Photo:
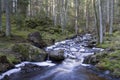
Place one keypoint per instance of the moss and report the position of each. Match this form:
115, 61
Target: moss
28, 52
12, 59
24, 49
111, 62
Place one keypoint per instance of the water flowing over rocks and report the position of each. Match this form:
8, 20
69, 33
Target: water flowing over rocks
73, 51
25, 67
76, 48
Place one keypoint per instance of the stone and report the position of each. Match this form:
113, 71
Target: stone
36, 39
29, 52
92, 43
30, 68
56, 55
6, 77
107, 72
94, 59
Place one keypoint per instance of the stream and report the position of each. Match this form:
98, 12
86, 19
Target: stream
72, 68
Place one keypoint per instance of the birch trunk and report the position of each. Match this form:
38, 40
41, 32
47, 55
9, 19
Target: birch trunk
101, 23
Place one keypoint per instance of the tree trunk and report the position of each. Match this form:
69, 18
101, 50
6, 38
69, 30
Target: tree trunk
8, 27
62, 15
108, 16
54, 12
111, 19
0, 16
101, 23
76, 17
87, 14
96, 19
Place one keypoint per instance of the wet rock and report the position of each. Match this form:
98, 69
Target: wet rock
6, 78
92, 43
87, 37
94, 59
91, 59
89, 40
36, 39
30, 68
56, 55
29, 52
107, 72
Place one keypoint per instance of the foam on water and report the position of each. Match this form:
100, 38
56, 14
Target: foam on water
18, 67
10, 72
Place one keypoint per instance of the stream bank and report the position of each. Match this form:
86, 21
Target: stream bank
72, 67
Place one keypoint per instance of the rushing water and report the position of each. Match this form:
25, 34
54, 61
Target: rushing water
72, 68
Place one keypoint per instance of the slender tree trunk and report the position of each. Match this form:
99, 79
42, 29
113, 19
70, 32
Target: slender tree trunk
65, 13
96, 19
46, 7
54, 12
87, 14
108, 16
76, 17
101, 23
0, 16
61, 15
8, 26
30, 8
111, 19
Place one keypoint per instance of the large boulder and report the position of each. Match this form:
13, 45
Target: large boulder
56, 55
29, 52
94, 59
36, 39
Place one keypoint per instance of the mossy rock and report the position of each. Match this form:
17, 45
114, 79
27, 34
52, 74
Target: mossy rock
94, 59
4, 63
29, 52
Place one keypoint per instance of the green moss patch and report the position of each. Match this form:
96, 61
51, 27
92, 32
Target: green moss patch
112, 60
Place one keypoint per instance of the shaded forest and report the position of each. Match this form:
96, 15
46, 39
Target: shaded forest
41, 23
